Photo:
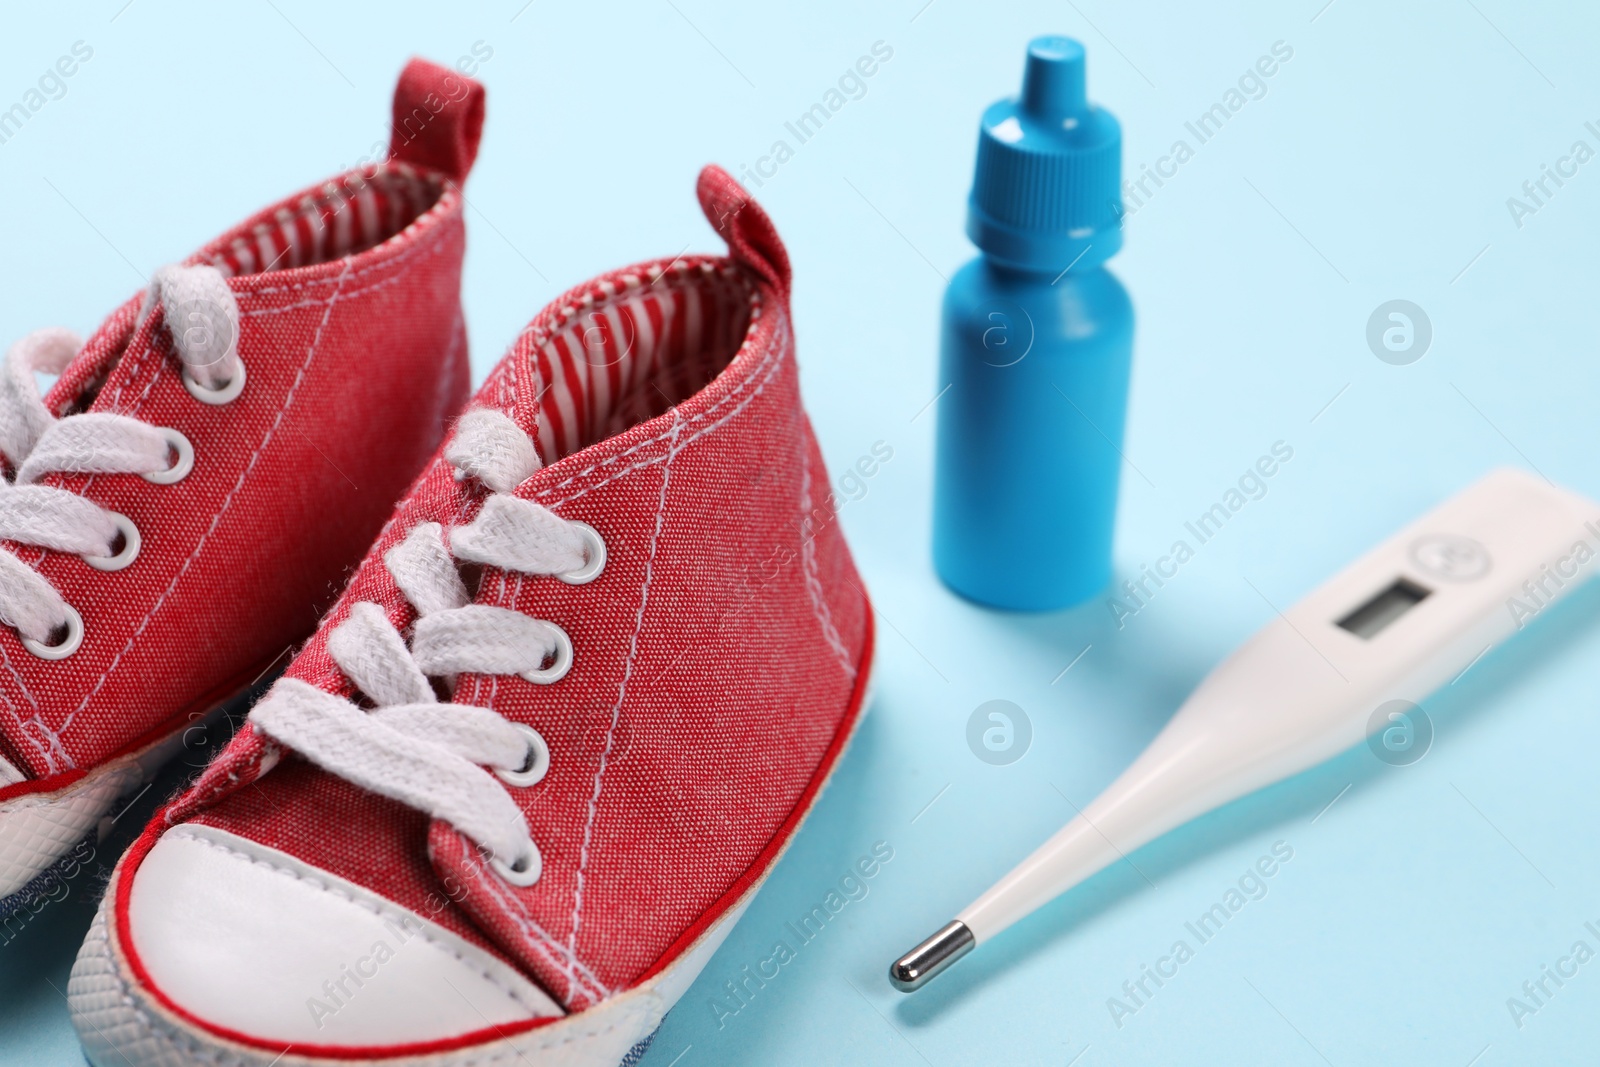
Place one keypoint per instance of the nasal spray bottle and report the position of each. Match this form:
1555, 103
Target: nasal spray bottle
1036, 347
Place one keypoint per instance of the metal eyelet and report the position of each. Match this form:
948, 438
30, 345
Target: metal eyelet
561, 664
67, 645
227, 393
533, 768
594, 547
130, 546
182, 461
523, 871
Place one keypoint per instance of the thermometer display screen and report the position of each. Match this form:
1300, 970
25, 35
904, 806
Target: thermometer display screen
1376, 615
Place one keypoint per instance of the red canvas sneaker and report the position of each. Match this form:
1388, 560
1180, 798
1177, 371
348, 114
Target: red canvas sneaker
554, 735
205, 470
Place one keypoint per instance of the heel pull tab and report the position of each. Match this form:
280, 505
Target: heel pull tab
438, 119
751, 237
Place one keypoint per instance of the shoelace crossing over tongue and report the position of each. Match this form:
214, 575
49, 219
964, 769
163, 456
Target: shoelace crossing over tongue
204, 321
410, 746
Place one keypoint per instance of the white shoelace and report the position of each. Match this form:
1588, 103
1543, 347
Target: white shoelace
204, 319
410, 746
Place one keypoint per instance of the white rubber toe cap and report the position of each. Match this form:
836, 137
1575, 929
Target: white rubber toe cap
252, 940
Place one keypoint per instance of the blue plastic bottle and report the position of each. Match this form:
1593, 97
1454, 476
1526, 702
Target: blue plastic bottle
1036, 348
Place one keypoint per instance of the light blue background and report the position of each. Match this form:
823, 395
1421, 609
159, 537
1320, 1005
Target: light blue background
1377, 166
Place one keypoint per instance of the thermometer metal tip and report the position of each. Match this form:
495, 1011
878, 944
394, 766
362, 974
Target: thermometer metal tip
912, 971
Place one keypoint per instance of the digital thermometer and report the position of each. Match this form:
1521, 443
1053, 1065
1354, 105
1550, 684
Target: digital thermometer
1409, 616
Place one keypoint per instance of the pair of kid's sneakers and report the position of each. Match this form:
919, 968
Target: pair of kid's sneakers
530, 766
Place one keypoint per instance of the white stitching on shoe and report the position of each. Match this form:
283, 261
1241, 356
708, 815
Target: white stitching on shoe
38, 443
772, 366
617, 296
773, 358
16, 714
772, 361
622, 689
427, 246
438, 756
661, 458
538, 938
768, 365
430, 244
396, 279
288, 402
808, 567
434, 219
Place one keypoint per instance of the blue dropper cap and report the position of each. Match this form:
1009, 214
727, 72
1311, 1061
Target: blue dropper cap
1047, 191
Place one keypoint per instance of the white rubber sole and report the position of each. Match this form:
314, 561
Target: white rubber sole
38, 829
122, 1025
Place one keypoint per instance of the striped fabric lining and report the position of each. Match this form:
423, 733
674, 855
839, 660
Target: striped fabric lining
348, 215
631, 349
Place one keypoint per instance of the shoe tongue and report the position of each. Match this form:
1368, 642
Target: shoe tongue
81, 382
496, 909
521, 392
